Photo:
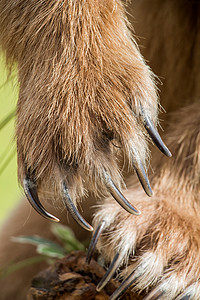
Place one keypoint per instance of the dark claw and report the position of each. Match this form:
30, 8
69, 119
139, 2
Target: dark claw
152, 131
123, 287
32, 196
117, 195
73, 210
139, 169
184, 296
110, 272
94, 241
154, 295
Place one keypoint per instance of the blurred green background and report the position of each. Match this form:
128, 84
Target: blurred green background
10, 192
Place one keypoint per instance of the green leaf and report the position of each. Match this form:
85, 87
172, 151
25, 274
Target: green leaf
32, 239
7, 119
66, 235
44, 246
7, 161
50, 251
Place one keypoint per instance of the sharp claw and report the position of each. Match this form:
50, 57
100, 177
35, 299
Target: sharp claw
110, 272
152, 131
184, 297
139, 169
123, 287
117, 195
94, 241
154, 295
73, 210
32, 196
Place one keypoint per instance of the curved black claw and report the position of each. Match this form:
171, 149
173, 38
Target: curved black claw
154, 295
123, 286
117, 195
110, 272
142, 176
32, 196
152, 131
184, 296
94, 241
73, 210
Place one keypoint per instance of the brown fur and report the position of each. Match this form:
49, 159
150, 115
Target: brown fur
82, 80
78, 88
165, 239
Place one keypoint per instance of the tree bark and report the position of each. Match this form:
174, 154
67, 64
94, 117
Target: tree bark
72, 278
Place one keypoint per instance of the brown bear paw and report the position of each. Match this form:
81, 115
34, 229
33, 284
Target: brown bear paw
90, 103
159, 251
156, 252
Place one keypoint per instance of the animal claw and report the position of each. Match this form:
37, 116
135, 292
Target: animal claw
32, 196
152, 131
110, 272
184, 297
123, 287
73, 210
154, 295
117, 195
94, 241
143, 178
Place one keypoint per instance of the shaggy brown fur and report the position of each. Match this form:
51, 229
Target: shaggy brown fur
79, 90
164, 242
82, 85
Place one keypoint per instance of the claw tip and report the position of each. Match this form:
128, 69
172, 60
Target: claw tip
139, 213
150, 193
55, 219
169, 154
